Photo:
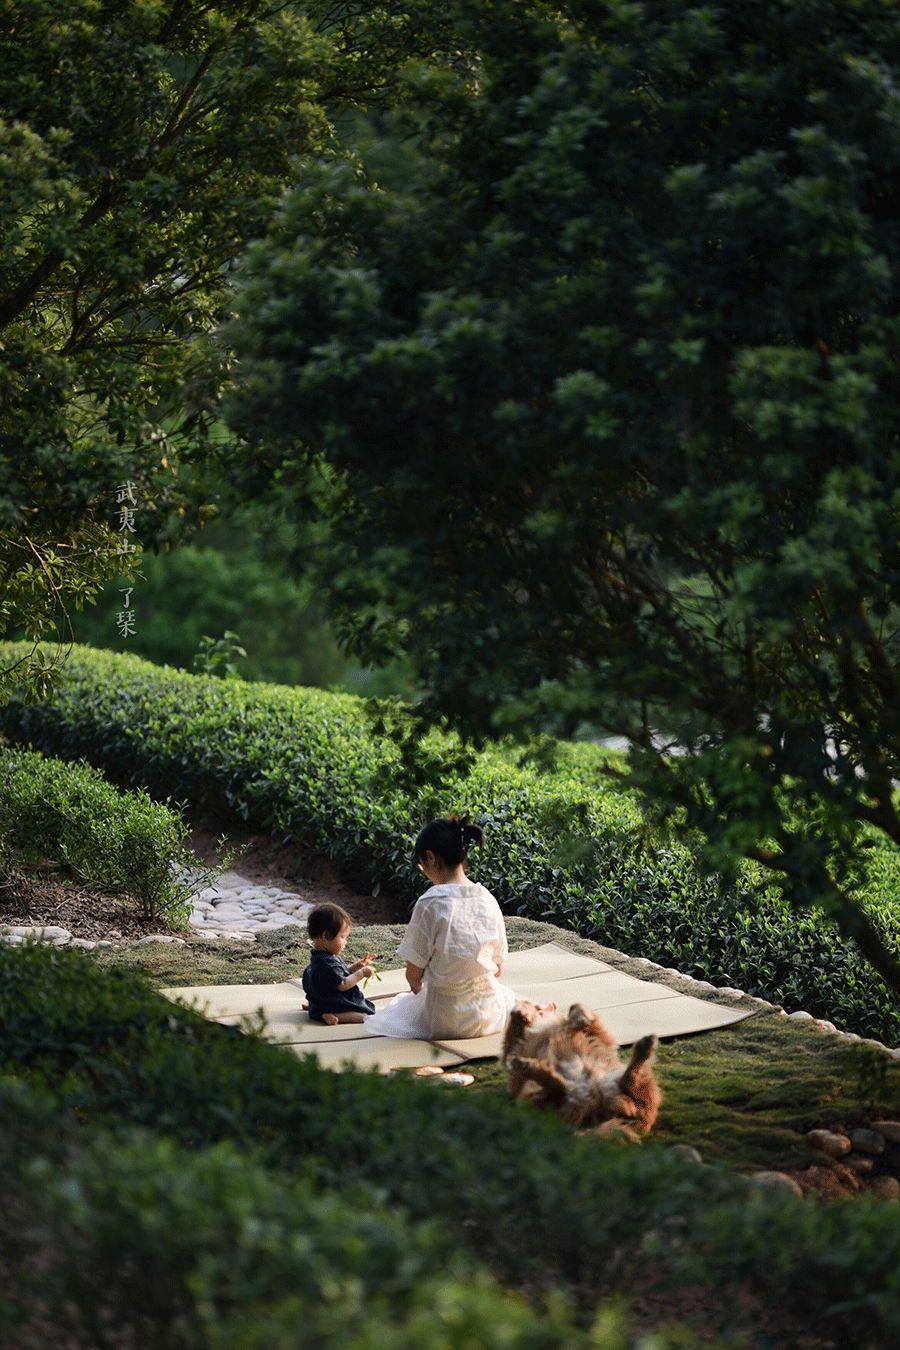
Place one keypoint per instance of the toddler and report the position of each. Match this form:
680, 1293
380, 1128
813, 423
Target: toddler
331, 986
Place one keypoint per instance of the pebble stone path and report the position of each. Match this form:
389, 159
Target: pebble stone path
234, 908
237, 908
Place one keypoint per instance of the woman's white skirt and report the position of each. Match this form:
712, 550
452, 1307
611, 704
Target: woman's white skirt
477, 1008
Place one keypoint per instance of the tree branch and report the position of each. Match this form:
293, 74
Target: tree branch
13, 304
883, 817
185, 98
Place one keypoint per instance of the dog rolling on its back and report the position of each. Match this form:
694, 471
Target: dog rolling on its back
568, 1062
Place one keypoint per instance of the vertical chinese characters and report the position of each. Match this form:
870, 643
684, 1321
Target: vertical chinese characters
125, 618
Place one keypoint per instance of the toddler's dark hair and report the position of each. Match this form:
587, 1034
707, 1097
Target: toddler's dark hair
449, 838
327, 921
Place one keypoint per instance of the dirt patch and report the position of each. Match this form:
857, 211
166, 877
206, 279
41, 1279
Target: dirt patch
753, 1318
272, 862
45, 897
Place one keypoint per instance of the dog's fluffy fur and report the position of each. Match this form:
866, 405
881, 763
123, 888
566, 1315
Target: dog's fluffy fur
569, 1063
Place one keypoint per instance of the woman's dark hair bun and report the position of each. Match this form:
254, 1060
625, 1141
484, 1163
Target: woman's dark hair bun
449, 837
472, 834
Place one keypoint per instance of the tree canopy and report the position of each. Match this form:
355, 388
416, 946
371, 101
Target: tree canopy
141, 147
604, 405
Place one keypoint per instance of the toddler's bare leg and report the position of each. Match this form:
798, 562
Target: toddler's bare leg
334, 1019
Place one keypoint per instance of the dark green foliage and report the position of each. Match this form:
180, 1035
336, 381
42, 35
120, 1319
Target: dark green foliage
248, 572
69, 813
544, 1209
304, 764
141, 147
134, 1236
607, 384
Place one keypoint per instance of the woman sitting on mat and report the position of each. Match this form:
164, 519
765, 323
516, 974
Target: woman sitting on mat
455, 947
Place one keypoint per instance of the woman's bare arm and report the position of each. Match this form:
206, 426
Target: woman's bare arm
414, 976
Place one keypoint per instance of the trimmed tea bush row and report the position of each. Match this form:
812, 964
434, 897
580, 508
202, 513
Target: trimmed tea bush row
70, 814
543, 1208
304, 764
136, 1240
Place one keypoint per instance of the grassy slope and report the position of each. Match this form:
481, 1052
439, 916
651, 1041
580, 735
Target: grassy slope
742, 1095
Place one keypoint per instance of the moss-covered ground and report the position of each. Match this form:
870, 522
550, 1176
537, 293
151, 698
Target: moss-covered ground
743, 1095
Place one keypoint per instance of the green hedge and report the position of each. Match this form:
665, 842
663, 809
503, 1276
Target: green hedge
133, 1239
304, 764
543, 1208
70, 814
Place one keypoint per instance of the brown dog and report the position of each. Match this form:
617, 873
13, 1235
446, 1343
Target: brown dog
569, 1062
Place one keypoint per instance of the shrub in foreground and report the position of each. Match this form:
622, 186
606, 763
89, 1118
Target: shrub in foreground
133, 1239
305, 765
543, 1208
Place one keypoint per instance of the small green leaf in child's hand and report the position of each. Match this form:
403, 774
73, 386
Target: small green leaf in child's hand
368, 978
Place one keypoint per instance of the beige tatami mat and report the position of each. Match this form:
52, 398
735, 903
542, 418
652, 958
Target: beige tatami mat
629, 1007
379, 1052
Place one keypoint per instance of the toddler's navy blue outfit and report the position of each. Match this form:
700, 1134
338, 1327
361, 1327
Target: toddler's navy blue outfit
320, 983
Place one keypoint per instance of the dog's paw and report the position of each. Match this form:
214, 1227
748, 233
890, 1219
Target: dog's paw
524, 1014
579, 1016
619, 1130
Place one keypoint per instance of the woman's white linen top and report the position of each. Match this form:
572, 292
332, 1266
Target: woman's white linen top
456, 933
